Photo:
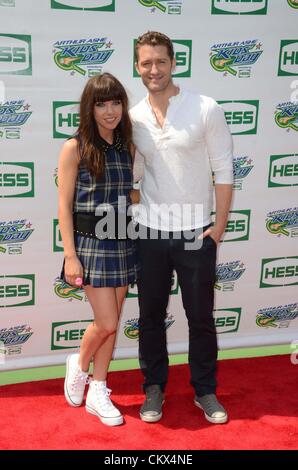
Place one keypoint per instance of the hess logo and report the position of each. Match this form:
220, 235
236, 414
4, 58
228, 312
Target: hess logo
277, 272
66, 335
241, 116
288, 57
16, 179
227, 320
237, 228
15, 54
57, 239
183, 56
240, 7
84, 4
17, 290
283, 170
66, 118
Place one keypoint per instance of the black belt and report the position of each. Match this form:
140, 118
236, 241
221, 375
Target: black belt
110, 227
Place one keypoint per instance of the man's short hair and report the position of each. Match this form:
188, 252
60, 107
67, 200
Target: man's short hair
154, 38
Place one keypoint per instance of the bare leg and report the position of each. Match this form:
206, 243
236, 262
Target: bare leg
104, 304
103, 355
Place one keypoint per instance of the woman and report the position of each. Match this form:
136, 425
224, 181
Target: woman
95, 169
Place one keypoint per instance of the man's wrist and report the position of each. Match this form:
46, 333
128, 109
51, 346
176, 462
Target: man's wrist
219, 228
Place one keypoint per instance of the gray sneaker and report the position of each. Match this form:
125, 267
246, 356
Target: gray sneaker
151, 409
213, 410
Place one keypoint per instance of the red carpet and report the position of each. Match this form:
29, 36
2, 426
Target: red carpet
260, 395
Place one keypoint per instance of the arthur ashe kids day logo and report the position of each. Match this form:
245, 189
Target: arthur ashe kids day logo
65, 291
13, 338
239, 7
293, 3
95, 5
131, 327
133, 291
235, 58
227, 274
84, 56
242, 166
283, 170
15, 54
13, 234
55, 176
13, 115
172, 7
286, 115
277, 317
283, 222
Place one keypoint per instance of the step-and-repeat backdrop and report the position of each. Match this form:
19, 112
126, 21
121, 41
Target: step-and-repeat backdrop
242, 53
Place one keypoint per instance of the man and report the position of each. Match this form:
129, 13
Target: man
182, 138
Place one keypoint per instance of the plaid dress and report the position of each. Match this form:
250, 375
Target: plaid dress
106, 263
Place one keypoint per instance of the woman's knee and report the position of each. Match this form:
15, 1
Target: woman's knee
107, 328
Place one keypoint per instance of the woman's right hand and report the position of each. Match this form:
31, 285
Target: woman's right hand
134, 196
72, 270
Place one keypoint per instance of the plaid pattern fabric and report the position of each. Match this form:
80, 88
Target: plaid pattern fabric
117, 180
106, 263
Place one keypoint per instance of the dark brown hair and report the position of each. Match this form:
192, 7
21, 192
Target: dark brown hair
153, 38
100, 88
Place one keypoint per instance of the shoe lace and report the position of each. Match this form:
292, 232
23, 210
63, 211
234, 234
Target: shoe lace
103, 397
211, 405
80, 380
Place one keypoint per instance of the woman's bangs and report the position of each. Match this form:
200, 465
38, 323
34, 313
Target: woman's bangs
109, 92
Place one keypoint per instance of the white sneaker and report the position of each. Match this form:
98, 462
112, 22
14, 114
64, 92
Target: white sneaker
98, 403
75, 381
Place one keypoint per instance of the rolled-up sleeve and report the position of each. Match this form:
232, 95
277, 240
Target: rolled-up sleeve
138, 167
219, 144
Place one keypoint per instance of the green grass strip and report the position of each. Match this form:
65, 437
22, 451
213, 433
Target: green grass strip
53, 372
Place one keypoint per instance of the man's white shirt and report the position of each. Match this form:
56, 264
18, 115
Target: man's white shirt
176, 162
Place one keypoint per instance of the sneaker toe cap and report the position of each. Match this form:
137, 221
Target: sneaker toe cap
150, 413
219, 414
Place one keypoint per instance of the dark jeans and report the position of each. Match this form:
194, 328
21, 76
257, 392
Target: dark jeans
196, 276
